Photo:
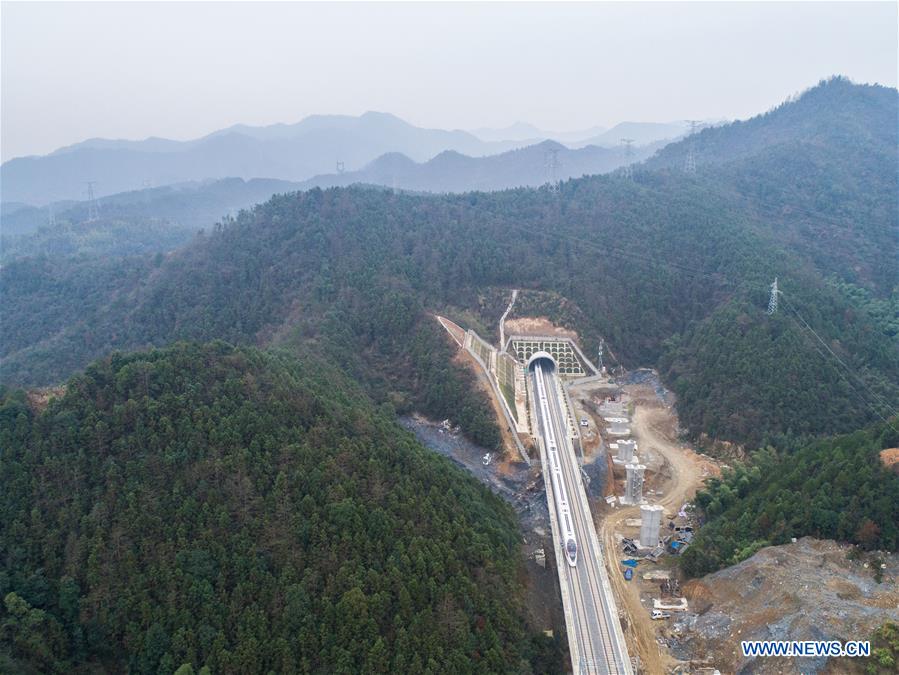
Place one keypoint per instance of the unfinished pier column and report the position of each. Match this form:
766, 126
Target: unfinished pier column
633, 487
650, 522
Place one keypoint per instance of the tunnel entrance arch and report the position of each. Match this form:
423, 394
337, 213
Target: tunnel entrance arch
545, 359
563, 352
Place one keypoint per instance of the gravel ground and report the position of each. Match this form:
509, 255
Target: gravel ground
516, 482
651, 378
809, 590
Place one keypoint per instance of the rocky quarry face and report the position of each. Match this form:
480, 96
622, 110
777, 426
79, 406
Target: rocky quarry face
809, 590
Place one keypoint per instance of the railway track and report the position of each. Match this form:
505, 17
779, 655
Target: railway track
597, 643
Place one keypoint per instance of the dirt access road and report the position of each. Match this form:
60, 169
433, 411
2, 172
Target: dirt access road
677, 473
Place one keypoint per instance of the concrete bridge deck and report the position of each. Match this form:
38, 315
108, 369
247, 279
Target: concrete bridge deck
596, 641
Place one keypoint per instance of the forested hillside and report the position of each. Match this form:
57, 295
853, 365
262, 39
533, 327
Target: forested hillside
835, 109
820, 171
671, 269
831, 489
97, 238
246, 512
192, 206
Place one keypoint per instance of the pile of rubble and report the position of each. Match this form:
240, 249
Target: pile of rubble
807, 590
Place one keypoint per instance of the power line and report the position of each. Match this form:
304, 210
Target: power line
849, 382
720, 278
92, 209
768, 207
689, 271
551, 163
690, 160
773, 209
892, 412
686, 270
823, 343
775, 291
772, 301
628, 171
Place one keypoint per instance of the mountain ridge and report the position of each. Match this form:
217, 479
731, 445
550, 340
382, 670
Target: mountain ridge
848, 101
295, 152
204, 202
305, 151
453, 172
671, 269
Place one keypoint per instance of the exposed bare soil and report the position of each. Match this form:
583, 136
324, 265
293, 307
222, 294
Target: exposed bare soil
38, 399
890, 458
453, 329
674, 473
809, 590
536, 325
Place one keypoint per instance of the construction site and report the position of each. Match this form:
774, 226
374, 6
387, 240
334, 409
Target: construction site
638, 479
645, 516
622, 433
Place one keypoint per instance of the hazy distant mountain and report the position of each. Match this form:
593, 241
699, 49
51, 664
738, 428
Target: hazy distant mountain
522, 131
284, 151
641, 132
453, 172
9, 208
197, 204
152, 144
189, 205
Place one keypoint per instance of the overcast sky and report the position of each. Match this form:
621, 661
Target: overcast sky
130, 70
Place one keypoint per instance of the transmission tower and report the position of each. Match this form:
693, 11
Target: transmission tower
772, 301
51, 217
340, 166
628, 171
690, 160
599, 354
551, 162
93, 212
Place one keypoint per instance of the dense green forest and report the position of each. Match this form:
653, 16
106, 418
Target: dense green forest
261, 511
245, 511
820, 173
99, 238
671, 269
757, 371
834, 488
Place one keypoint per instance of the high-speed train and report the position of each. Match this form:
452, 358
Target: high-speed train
569, 542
